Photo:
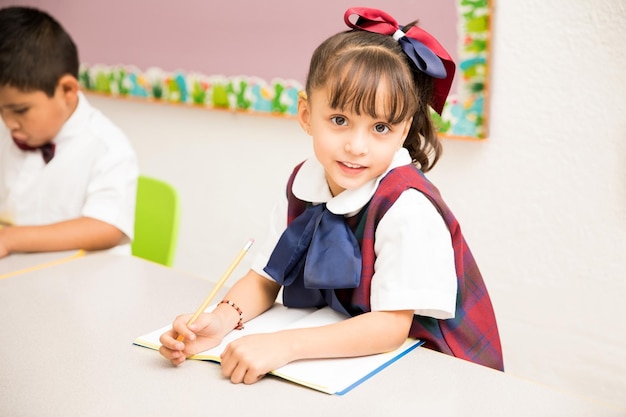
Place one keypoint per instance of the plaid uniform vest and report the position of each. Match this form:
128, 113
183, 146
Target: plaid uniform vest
473, 333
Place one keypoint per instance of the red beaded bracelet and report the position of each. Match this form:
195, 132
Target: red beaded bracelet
239, 325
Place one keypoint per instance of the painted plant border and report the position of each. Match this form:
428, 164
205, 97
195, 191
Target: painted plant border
464, 115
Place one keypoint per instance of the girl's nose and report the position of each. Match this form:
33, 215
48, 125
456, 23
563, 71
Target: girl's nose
357, 143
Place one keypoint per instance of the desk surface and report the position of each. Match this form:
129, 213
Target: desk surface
18, 262
66, 350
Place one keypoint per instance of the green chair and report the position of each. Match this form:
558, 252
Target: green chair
157, 216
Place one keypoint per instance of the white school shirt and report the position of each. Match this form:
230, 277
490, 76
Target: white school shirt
414, 268
93, 174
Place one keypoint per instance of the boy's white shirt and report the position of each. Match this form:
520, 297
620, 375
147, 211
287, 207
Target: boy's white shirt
414, 269
93, 174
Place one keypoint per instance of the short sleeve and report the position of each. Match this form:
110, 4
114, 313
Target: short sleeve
415, 268
112, 190
277, 225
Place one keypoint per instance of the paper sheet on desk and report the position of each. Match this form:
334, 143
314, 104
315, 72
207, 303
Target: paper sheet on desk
332, 376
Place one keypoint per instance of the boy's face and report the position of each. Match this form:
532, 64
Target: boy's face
33, 118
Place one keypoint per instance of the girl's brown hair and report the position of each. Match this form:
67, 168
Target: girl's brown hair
352, 64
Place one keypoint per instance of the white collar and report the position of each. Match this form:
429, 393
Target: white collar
310, 185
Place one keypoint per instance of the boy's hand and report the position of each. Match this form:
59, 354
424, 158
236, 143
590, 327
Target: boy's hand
4, 251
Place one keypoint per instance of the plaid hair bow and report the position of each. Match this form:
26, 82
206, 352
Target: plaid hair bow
420, 46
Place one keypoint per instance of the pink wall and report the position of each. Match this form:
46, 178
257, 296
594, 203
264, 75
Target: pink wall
270, 38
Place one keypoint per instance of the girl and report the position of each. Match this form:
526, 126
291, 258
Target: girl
367, 233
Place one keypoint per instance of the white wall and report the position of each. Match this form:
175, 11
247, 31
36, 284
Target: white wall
542, 202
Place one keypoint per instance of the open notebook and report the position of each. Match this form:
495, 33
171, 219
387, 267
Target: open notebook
332, 376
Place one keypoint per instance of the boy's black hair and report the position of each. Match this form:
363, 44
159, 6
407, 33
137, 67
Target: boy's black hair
35, 50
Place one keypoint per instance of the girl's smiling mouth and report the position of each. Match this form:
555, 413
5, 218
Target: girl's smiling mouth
351, 165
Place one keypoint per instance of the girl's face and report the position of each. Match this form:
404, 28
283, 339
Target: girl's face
353, 149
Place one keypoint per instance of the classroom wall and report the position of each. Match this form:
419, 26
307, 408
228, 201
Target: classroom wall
266, 39
542, 202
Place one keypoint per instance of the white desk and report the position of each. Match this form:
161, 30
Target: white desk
18, 262
66, 350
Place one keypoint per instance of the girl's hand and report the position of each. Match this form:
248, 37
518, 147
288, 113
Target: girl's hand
249, 358
204, 333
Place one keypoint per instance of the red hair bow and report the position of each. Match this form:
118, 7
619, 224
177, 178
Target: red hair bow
420, 46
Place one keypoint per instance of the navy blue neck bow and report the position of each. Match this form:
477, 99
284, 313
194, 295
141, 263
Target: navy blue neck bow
318, 248
47, 150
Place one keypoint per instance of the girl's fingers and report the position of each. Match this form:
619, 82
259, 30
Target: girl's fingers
172, 355
168, 339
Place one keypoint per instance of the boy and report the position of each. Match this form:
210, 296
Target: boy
68, 176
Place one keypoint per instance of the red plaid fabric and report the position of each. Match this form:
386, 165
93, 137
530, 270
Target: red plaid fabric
473, 333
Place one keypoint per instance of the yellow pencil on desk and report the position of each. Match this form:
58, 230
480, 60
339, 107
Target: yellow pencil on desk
218, 286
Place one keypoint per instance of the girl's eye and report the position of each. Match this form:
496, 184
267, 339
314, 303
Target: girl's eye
20, 110
381, 128
339, 120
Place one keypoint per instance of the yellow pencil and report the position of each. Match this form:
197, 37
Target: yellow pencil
218, 286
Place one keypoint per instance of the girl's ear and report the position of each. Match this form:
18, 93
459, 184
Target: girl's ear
304, 113
407, 127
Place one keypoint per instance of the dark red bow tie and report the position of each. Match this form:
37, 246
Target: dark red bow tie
47, 150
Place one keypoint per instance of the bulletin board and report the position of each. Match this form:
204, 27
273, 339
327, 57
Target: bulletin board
252, 57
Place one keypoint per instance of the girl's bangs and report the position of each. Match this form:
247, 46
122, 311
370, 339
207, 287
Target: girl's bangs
363, 83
